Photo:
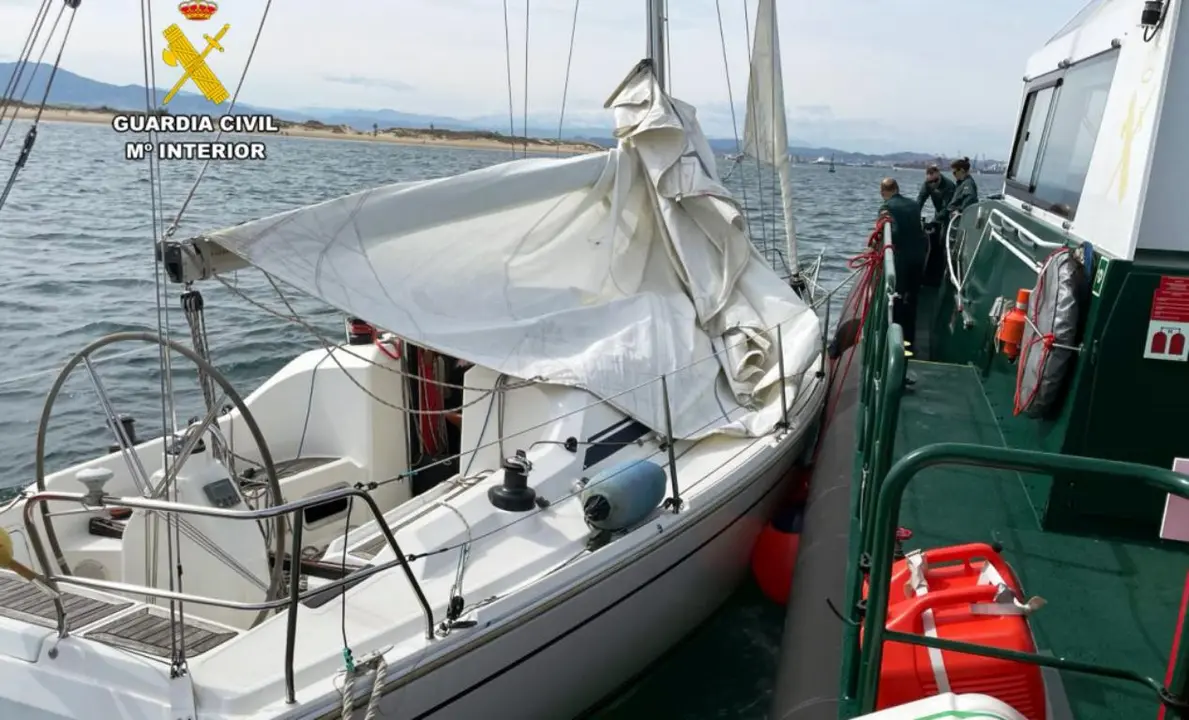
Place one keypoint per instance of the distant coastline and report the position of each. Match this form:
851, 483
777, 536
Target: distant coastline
313, 129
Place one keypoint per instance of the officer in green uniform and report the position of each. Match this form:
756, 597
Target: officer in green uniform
908, 242
965, 191
940, 190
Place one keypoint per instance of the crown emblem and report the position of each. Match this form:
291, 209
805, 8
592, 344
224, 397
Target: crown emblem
198, 10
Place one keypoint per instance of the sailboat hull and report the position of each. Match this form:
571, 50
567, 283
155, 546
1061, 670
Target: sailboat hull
575, 651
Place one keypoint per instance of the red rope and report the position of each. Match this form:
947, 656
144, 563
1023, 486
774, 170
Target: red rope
431, 403
393, 352
858, 304
1046, 342
870, 264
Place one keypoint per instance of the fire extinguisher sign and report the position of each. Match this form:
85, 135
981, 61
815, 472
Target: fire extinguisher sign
1168, 323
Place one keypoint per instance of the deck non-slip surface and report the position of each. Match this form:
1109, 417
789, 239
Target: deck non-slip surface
21, 600
1109, 602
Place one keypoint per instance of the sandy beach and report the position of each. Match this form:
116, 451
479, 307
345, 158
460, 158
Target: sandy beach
473, 140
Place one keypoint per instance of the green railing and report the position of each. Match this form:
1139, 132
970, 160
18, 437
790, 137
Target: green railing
882, 385
875, 512
887, 514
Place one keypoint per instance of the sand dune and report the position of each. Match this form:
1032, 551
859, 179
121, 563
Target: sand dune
472, 139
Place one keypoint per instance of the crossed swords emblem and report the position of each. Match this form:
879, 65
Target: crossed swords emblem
180, 51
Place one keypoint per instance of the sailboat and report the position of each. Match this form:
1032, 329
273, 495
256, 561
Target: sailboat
639, 385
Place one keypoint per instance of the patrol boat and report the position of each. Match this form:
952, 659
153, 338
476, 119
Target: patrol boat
641, 383
1006, 537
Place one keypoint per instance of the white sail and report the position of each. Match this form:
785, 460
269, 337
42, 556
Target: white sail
765, 131
602, 272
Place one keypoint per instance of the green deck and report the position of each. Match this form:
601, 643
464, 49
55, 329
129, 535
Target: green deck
1113, 602
1083, 532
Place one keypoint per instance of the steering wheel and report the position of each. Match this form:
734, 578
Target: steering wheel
276, 585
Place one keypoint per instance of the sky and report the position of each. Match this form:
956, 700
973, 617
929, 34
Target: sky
862, 75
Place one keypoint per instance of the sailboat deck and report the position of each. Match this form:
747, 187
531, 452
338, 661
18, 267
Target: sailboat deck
1111, 602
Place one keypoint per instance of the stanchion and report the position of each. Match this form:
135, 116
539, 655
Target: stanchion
669, 440
784, 401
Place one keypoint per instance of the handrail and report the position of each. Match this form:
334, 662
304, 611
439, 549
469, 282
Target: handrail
1019, 228
887, 513
886, 414
55, 580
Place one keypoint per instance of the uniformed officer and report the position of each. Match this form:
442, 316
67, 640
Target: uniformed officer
909, 245
940, 190
965, 191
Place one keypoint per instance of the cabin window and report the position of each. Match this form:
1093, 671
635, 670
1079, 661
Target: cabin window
1057, 132
1073, 131
1036, 114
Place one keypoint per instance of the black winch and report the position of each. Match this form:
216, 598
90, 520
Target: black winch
514, 495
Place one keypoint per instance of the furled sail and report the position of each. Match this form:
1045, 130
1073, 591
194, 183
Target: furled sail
601, 271
765, 131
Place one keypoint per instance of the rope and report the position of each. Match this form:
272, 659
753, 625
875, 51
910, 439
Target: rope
508, 64
9, 98
869, 266
31, 136
333, 349
722, 37
378, 667
527, 5
565, 90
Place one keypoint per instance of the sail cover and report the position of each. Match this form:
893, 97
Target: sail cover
602, 271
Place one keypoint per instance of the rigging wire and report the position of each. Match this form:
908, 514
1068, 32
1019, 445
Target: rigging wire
168, 414
722, 36
751, 110
328, 344
31, 136
565, 90
177, 221
772, 173
527, 5
668, 50
508, 65
661, 448
14, 80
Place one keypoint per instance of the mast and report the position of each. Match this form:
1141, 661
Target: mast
656, 39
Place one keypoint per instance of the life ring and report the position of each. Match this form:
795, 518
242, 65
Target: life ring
1048, 346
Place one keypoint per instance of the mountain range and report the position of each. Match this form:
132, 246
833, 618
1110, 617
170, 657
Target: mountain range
71, 89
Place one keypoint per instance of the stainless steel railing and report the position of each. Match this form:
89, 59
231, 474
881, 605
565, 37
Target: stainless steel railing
55, 580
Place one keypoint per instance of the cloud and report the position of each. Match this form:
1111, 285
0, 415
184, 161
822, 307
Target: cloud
367, 82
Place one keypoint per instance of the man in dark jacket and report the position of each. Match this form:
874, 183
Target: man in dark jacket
939, 189
909, 245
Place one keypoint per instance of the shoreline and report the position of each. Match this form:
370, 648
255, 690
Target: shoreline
314, 130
